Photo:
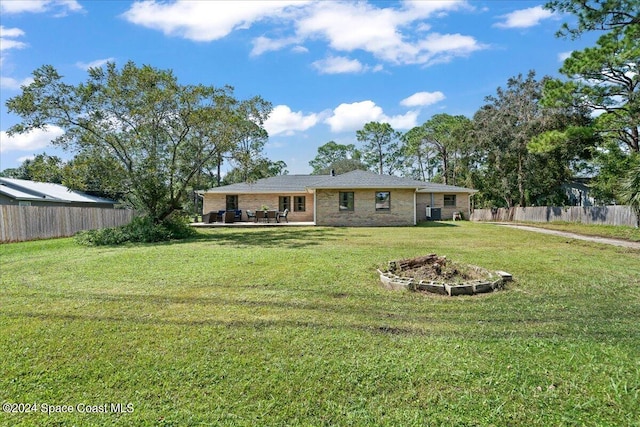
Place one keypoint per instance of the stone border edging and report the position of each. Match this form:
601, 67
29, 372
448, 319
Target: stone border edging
395, 282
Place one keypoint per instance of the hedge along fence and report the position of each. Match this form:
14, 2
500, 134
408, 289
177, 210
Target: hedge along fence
20, 223
606, 215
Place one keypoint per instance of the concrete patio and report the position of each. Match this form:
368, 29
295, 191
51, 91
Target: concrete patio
251, 224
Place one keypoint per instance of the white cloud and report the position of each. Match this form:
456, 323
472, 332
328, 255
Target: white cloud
93, 64
362, 26
265, 44
10, 32
396, 34
284, 121
422, 99
299, 49
23, 159
205, 20
338, 65
10, 83
6, 38
562, 56
352, 117
34, 140
40, 6
524, 18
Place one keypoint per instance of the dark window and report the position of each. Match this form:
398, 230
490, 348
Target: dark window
284, 202
383, 200
299, 203
232, 202
450, 200
346, 201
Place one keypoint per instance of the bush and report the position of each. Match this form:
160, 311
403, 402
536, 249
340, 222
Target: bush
141, 230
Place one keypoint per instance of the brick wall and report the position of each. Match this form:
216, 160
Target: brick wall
462, 205
216, 202
364, 213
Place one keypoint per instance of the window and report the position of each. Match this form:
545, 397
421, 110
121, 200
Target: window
346, 201
23, 203
284, 202
450, 200
232, 202
299, 203
383, 201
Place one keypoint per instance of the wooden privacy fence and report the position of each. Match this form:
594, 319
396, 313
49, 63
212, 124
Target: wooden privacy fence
606, 215
20, 223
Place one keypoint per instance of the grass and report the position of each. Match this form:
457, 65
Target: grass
609, 231
244, 327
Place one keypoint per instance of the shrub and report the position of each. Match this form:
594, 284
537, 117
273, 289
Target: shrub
141, 230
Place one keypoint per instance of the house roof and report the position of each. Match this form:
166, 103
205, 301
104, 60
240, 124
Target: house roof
274, 184
356, 179
21, 189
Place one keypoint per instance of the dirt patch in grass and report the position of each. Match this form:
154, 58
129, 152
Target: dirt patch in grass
438, 269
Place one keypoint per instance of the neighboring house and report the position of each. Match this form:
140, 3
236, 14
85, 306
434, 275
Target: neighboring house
578, 192
356, 198
21, 192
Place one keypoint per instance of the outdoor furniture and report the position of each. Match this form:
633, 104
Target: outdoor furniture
238, 215
220, 216
208, 217
272, 215
251, 214
283, 215
261, 216
229, 217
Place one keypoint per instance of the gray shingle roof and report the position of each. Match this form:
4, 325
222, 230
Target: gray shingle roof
356, 179
274, 184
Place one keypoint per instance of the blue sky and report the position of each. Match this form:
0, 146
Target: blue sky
328, 67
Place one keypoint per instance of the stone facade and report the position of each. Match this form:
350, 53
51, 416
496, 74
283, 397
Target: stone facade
364, 212
216, 202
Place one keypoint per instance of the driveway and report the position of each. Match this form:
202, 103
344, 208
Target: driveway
615, 242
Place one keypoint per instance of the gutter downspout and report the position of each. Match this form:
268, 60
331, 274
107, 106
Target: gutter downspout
315, 206
415, 207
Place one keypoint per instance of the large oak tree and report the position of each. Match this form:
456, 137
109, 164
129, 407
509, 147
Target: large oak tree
160, 134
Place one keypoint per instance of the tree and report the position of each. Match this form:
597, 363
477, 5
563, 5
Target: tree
631, 188
160, 134
250, 138
42, 168
442, 137
94, 174
596, 14
259, 168
420, 157
337, 157
380, 151
604, 79
521, 166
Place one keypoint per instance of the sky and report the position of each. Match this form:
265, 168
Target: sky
328, 67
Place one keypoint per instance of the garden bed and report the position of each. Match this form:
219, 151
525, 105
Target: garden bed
439, 275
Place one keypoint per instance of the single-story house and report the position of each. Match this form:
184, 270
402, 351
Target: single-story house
356, 198
21, 192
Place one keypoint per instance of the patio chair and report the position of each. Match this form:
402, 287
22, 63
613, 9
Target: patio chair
251, 214
272, 215
283, 215
220, 216
238, 215
261, 216
229, 217
208, 217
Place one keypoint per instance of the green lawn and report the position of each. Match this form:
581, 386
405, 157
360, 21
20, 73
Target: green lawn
609, 231
280, 326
